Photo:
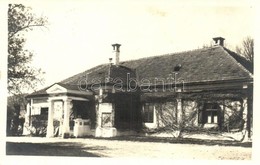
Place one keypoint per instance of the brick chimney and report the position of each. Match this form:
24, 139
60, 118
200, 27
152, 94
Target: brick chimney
219, 41
110, 60
117, 52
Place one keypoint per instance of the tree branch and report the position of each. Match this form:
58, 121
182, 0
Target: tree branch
21, 29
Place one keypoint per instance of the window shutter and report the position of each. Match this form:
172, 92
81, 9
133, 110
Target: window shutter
200, 117
151, 108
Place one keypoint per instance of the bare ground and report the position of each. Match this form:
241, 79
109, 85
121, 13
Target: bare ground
130, 148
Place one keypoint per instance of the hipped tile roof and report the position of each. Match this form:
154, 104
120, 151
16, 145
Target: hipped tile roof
202, 65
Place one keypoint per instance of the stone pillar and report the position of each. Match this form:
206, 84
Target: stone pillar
50, 128
98, 112
107, 130
66, 120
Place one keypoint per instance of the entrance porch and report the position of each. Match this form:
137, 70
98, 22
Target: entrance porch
62, 113
68, 105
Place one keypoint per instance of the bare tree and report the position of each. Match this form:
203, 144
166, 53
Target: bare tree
175, 121
247, 49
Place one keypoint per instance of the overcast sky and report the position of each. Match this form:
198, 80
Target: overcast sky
80, 33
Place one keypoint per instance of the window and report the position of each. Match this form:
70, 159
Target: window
44, 111
148, 113
36, 110
212, 116
209, 114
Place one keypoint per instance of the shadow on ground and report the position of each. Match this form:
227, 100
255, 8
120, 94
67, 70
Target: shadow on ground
50, 149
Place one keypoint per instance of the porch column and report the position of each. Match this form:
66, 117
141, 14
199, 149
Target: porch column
245, 118
26, 125
28, 112
50, 128
66, 120
179, 111
179, 117
30, 115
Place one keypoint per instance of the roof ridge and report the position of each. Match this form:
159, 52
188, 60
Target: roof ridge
170, 54
91, 69
237, 62
239, 55
96, 68
143, 58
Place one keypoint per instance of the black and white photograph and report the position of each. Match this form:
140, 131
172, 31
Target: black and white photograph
128, 79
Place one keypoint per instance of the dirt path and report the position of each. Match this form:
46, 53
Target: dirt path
120, 149
167, 150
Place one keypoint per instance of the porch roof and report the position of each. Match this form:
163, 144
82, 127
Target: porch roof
69, 90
